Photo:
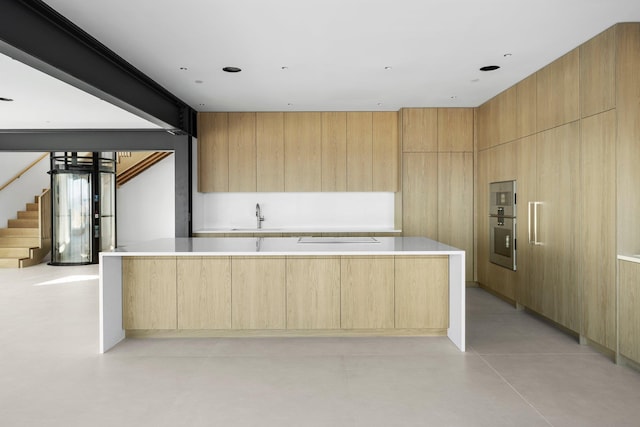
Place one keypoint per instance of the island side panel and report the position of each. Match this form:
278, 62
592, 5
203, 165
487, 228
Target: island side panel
457, 285
110, 302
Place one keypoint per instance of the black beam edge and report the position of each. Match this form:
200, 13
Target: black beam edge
34, 33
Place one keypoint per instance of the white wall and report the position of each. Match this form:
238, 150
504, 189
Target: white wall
287, 210
146, 205
22, 191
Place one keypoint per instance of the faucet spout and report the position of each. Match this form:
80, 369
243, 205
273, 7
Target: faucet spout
259, 217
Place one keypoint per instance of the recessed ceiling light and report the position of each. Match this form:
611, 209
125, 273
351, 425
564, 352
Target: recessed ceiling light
6, 99
232, 69
506, 55
199, 81
454, 97
290, 104
284, 68
202, 105
379, 104
489, 67
183, 68
388, 68
475, 80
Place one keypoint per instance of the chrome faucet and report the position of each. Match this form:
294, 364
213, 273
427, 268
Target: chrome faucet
259, 217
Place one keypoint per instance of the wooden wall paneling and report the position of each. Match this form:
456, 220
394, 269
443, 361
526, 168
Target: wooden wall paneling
528, 292
334, 151
597, 74
419, 130
558, 160
258, 296
526, 98
313, 293
558, 92
629, 296
359, 151
422, 292
204, 293
367, 292
270, 152
420, 195
497, 120
455, 203
386, 153
213, 152
598, 228
482, 218
455, 130
303, 151
242, 152
149, 293
628, 148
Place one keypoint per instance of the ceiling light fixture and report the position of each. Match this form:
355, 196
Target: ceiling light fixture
388, 68
506, 55
489, 67
454, 97
232, 69
6, 99
199, 81
284, 68
183, 68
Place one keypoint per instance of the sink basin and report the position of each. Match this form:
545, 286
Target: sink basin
333, 240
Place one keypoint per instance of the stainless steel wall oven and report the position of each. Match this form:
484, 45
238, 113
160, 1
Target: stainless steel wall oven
502, 224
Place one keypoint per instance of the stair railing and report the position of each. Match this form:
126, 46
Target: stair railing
23, 171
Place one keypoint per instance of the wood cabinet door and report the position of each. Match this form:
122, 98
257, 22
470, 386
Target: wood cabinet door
313, 293
597, 246
334, 151
422, 292
242, 152
598, 74
419, 130
367, 295
497, 120
204, 293
420, 195
213, 152
149, 293
455, 130
455, 203
302, 152
558, 160
386, 152
558, 92
270, 151
359, 151
629, 310
526, 101
258, 293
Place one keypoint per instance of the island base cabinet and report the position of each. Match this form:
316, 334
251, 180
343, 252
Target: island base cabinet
422, 292
149, 293
258, 293
313, 293
204, 293
629, 310
367, 292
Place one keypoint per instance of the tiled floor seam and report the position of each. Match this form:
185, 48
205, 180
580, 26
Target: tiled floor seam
524, 399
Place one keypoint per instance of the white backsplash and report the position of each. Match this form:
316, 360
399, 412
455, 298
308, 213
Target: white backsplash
294, 210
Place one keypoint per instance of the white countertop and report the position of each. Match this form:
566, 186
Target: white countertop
282, 246
630, 258
286, 230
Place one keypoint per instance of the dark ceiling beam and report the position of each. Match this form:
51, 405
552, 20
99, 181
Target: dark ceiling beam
34, 33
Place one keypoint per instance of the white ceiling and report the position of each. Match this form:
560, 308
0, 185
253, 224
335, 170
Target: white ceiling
336, 51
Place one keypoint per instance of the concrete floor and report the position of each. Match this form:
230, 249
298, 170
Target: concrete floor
518, 371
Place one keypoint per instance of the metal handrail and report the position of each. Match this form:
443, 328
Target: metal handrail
23, 171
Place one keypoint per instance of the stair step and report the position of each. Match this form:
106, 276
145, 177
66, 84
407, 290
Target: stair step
23, 223
9, 263
28, 215
33, 207
19, 232
19, 242
15, 252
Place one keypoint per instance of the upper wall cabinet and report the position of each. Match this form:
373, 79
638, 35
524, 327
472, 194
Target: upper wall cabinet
306, 151
558, 92
597, 74
526, 98
419, 130
455, 130
497, 120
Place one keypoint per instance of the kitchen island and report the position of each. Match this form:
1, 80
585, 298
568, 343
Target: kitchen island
309, 286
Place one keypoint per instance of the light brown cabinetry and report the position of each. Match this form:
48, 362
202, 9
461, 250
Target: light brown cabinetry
386, 152
422, 292
455, 130
334, 151
359, 151
597, 74
213, 152
629, 340
303, 152
258, 293
270, 152
558, 92
367, 292
419, 130
497, 120
204, 293
313, 293
526, 95
242, 152
420, 195
598, 228
149, 293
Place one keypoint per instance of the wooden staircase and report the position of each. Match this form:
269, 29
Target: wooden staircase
27, 239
